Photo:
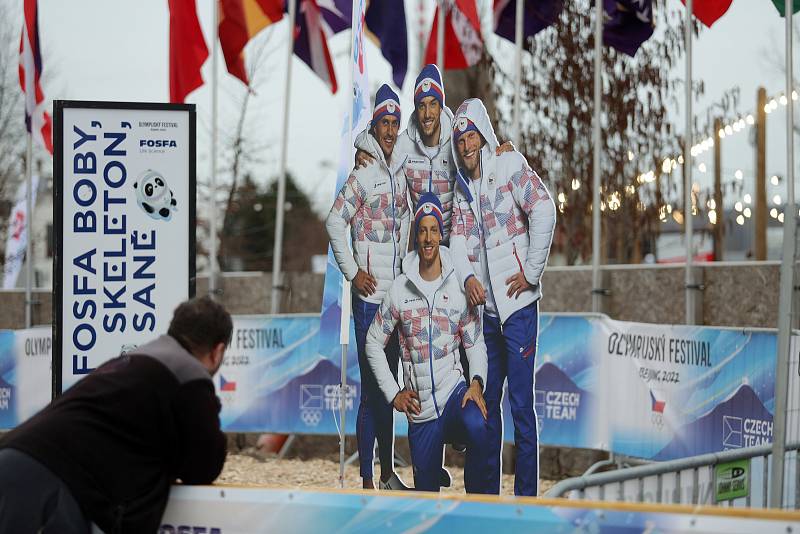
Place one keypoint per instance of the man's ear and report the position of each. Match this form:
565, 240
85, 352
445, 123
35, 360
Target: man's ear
215, 357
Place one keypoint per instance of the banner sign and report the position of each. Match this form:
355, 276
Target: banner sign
652, 391
731, 480
25, 374
233, 510
125, 227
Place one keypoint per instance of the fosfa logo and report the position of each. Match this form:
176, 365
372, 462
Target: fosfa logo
158, 143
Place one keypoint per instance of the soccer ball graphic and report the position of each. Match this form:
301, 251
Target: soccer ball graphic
154, 195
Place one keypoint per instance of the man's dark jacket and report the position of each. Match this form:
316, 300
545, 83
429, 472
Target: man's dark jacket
121, 436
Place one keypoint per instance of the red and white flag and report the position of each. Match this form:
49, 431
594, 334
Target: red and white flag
38, 121
463, 43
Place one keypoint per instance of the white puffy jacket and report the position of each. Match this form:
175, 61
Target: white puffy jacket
430, 333
424, 174
518, 219
373, 202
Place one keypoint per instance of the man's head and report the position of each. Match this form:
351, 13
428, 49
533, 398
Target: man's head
429, 227
386, 119
204, 328
428, 103
468, 141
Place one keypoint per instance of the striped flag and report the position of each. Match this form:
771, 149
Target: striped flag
240, 21
315, 22
538, 15
386, 22
38, 121
463, 43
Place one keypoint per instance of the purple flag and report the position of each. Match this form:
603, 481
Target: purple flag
538, 15
316, 21
628, 24
387, 20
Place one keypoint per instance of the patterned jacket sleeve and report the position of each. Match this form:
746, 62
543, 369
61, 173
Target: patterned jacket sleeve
472, 339
346, 205
458, 244
377, 336
532, 197
405, 231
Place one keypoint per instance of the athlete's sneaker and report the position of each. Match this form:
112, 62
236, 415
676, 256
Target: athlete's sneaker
445, 479
459, 447
394, 483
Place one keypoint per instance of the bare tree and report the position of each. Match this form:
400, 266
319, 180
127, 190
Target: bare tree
636, 134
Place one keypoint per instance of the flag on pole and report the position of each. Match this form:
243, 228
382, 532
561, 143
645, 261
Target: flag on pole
463, 43
17, 238
780, 5
538, 16
709, 11
315, 22
240, 21
628, 24
37, 120
386, 24
187, 50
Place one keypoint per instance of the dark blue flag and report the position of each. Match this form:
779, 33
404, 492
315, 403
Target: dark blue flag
386, 19
316, 21
538, 15
628, 24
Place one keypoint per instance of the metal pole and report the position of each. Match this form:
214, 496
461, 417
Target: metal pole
518, 38
212, 248
687, 157
28, 231
786, 285
277, 249
440, 36
597, 291
760, 213
719, 227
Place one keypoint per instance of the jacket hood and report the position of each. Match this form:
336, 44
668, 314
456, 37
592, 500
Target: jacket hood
474, 110
411, 265
445, 131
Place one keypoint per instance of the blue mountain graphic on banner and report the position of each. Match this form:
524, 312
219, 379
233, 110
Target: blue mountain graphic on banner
308, 393
740, 421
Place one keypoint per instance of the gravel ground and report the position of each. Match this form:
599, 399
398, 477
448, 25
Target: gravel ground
251, 469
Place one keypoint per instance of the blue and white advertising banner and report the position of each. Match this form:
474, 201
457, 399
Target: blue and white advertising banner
356, 118
125, 232
25, 373
234, 510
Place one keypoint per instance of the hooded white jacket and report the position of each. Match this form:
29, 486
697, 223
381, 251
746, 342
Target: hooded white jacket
373, 202
430, 333
518, 217
423, 173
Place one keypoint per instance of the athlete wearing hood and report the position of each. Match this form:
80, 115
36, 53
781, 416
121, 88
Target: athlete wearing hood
503, 221
428, 305
373, 202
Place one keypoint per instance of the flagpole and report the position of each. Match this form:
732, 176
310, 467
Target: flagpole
518, 37
344, 317
786, 283
277, 249
212, 248
687, 170
28, 229
440, 37
597, 291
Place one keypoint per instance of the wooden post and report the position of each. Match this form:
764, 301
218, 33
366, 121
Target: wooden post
719, 228
760, 216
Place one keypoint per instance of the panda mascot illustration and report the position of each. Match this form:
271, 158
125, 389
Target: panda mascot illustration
154, 196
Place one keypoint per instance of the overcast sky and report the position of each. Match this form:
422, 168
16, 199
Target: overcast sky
118, 50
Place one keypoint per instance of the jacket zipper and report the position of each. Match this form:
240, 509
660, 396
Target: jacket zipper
517, 257
394, 225
430, 352
369, 271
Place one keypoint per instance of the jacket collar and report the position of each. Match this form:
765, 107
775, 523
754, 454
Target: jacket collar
411, 267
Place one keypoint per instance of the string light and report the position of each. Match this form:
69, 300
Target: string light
777, 200
780, 217
712, 217
774, 180
575, 184
751, 120
784, 100
739, 174
740, 220
702, 167
747, 198
747, 213
773, 213
738, 206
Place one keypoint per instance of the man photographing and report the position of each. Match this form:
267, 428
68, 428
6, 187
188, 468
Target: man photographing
503, 221
108, 449
428, 306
